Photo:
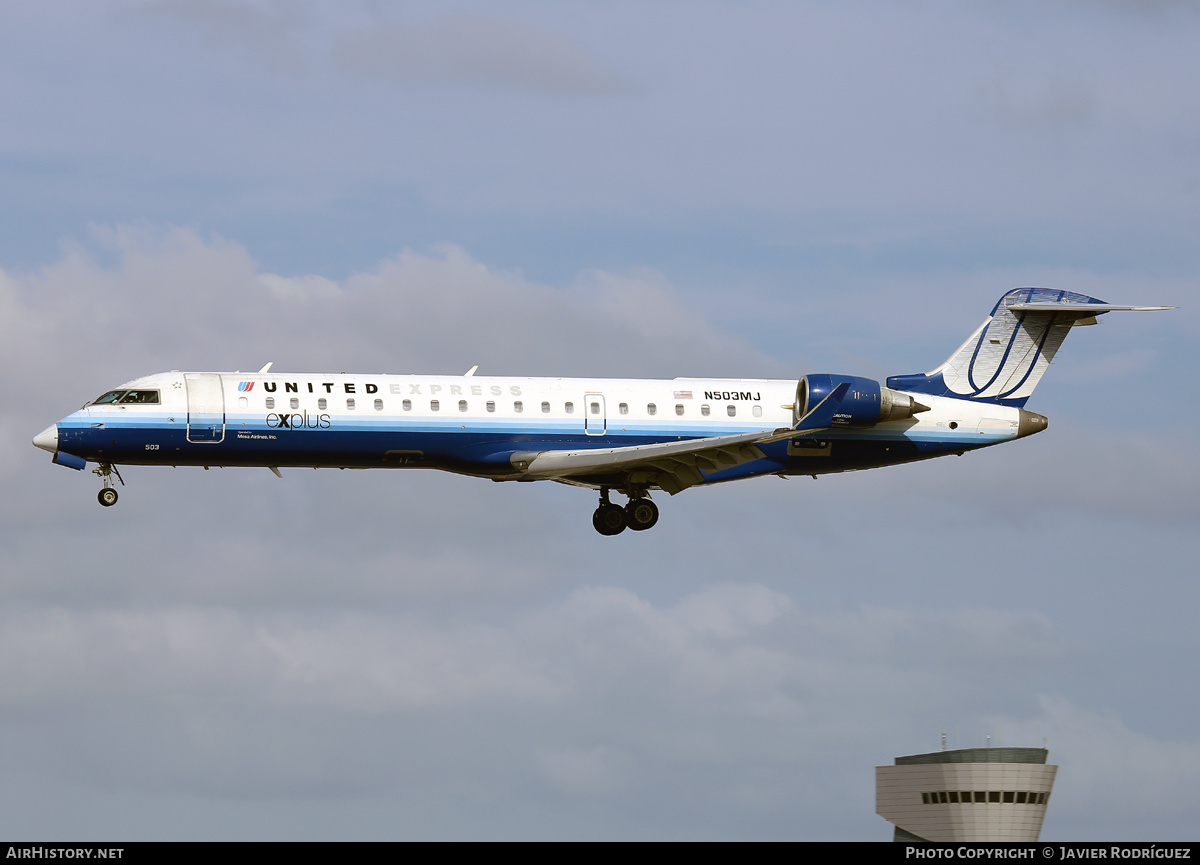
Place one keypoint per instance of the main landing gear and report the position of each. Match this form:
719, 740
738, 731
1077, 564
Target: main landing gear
108, 495
640, 514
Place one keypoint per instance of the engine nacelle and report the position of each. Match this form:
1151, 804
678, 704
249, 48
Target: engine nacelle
865, 404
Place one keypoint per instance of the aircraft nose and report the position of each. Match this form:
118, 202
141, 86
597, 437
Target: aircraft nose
47, 439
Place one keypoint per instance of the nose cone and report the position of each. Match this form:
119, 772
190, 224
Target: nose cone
47, 439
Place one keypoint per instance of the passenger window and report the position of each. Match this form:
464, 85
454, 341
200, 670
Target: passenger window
545, 408
434, 405
570, 407
378, 405
350, 403
462, 405
518, 406
243, 402
322, 404
679, 409
651, 409
594, 408
270, 402
758, 411
732, 409
407, 405
491, 406
624, 408
295, 402
705, 410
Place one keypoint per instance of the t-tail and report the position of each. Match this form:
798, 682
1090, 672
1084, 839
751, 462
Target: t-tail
1003, 361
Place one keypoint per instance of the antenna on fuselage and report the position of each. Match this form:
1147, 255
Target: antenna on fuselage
267, 367
471, 371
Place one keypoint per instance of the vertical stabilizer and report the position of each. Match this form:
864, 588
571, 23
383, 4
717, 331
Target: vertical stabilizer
1004, 359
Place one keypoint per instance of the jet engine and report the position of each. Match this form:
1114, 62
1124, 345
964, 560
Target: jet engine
865, 403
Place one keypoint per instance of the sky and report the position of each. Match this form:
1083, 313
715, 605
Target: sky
619, 189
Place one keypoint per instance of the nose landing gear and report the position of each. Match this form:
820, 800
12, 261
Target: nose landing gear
640, 514
108, 495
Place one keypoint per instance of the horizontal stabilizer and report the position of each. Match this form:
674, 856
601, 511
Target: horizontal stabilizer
1087, 308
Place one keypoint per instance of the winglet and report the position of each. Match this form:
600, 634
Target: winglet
267, 367
471, 371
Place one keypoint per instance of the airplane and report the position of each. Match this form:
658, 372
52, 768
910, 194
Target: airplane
629, 436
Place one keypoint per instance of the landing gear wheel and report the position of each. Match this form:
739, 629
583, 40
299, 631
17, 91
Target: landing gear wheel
641, 514
107, 497
609, 519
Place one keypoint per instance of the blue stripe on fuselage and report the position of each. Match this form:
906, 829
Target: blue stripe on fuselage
484, 447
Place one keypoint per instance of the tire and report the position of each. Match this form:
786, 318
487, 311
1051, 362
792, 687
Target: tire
107, 497
641, 514
609, 519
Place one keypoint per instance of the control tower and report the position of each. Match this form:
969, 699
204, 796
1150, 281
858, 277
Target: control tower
971, 794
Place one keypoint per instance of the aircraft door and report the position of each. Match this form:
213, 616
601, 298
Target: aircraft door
594, 415
206, 408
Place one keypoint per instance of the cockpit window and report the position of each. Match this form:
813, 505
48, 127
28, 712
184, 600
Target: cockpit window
110, 397
145, 397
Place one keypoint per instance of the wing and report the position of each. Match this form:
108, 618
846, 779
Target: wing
673, 466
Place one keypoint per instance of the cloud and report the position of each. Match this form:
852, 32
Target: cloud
1045, 100
391, 638
471, 51
177, 299
354, 663
266, 33
724, 702
460, 50
1145, 783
